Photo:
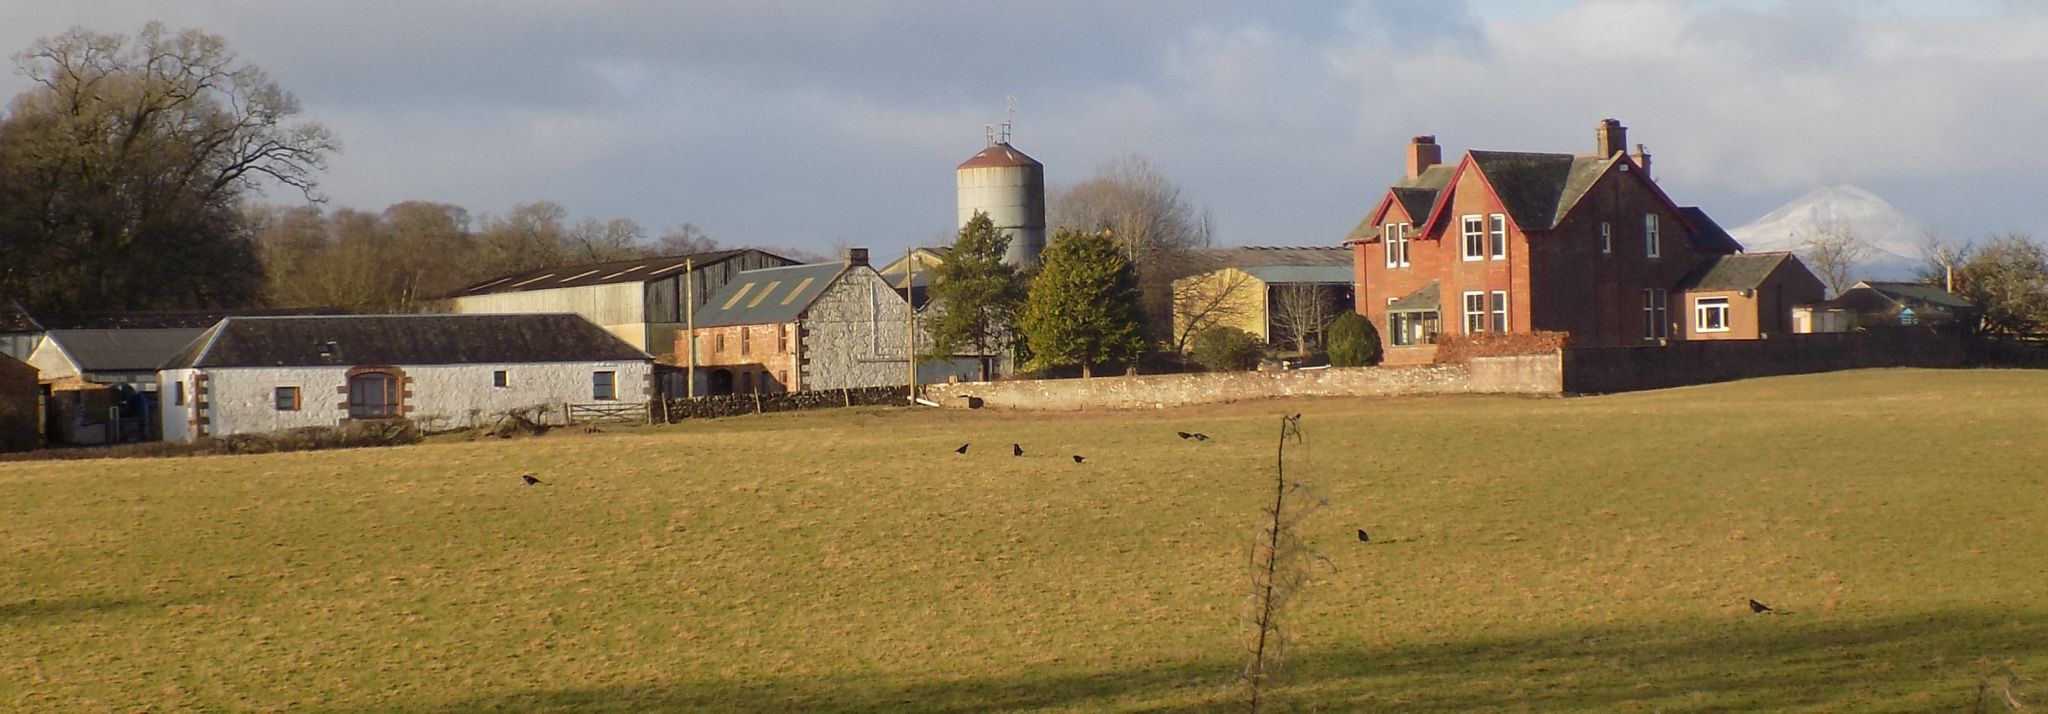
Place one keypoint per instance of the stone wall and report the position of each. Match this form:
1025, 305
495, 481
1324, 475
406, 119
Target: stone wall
1623, 369
1526, 374
680, 408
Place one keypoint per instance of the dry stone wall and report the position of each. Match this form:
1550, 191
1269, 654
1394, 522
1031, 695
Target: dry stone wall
1522, 374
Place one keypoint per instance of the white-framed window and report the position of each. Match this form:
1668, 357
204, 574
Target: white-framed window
1710, 314
1475, 312
1475, 237
1656, 315
1606, 238
1497, 236
1652, 245
1395, 236
1500, 311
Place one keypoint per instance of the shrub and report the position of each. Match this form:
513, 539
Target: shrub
1354, 342
1226, 349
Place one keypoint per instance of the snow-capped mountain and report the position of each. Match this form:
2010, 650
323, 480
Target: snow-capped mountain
1894, 237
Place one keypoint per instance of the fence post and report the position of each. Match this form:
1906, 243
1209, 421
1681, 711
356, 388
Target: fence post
567, 418
847, 395
757, 402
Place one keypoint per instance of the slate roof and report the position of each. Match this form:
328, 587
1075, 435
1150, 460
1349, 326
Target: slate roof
153, 320
120, 350
768, 296
1734, 272
1538, 189
1283, 274
15, 319
1424, 298
617, 271
1709, 236
1417, 196
1917, 293
402, 340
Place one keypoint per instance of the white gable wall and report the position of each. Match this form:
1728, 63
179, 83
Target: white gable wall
49, 359
242, 400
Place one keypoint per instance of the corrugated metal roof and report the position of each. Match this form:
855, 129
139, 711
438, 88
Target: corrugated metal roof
768, 296
402, 340
638, 270
1208, 259
999, 155
1283, 274
1733, 272
121, 350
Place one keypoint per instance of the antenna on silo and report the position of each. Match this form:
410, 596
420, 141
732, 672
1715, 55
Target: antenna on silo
1009, 115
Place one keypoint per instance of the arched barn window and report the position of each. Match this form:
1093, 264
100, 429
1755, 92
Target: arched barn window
373, 395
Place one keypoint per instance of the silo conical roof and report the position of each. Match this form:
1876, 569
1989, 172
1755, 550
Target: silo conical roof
999, 155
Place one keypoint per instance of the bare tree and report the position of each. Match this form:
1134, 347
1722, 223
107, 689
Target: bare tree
1833, 251
595, 241
1280, 561
1942, 260
1202, 301
1302, 310
1150, 220
684, 240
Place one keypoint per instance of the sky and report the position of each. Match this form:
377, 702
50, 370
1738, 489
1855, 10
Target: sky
811, 124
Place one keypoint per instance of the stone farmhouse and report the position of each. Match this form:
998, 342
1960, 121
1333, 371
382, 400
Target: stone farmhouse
641, 300
1503, 242
264, 374
809, 327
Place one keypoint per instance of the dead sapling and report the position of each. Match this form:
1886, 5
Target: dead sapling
1281, 563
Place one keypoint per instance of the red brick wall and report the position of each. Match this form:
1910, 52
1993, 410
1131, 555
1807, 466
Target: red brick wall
1596, 296
751, 354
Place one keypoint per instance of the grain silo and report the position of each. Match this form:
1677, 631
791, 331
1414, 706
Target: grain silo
1010, 187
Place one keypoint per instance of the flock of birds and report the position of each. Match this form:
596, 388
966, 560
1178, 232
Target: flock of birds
1017, 450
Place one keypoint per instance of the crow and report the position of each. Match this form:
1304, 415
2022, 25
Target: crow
529, 479
1362, 537
1078, 459
1199, 436
1185, 435
1016, 450
961, 450
1758, 608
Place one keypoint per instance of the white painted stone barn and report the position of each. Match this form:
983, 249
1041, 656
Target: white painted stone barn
264, 374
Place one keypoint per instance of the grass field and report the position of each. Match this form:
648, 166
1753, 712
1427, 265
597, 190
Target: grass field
1542, 555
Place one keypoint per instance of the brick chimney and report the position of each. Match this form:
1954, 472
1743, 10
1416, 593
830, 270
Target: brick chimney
1422, 154
856, 256
1610, 139
1642, 158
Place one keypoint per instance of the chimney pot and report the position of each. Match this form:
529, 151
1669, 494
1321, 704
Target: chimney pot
856, 256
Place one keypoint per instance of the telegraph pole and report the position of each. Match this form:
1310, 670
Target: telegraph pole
690, 325
909, 291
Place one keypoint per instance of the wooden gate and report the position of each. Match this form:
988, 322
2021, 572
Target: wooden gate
605, 413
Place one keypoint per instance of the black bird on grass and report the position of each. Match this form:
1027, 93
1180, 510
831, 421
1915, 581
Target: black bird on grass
1197, 436
1362, 537
1758, 608
1185, 435
1016, 450
961, 450
529, 479
1078, 459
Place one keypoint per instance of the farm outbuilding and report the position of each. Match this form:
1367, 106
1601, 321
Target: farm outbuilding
264, 374
20, 397
641, 300
810, 327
